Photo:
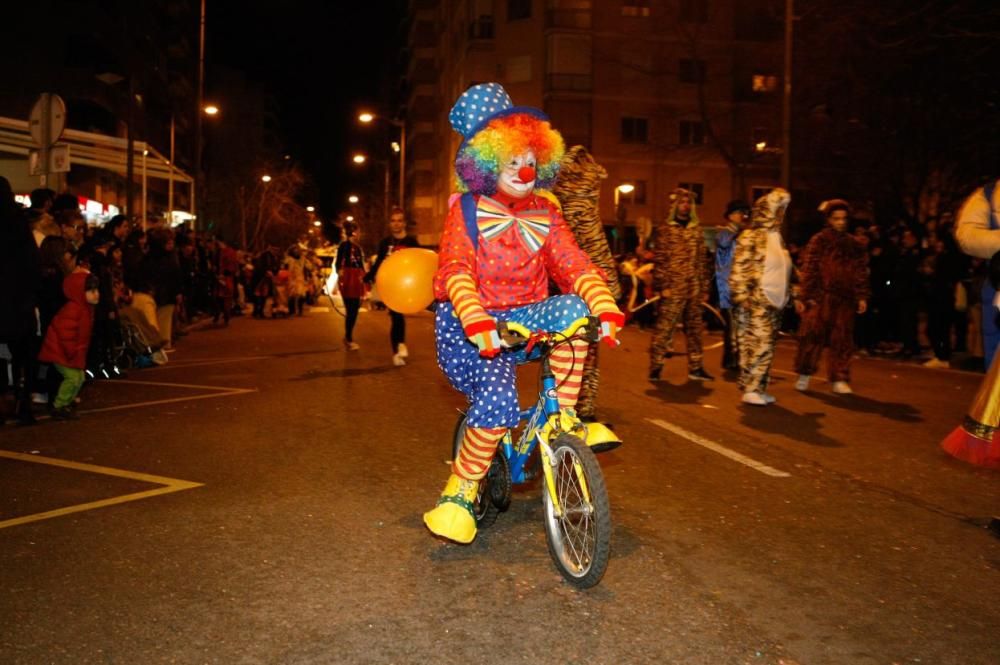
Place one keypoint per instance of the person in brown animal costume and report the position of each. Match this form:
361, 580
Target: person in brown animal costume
834, 286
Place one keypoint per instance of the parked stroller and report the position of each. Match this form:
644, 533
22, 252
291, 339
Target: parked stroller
139, 344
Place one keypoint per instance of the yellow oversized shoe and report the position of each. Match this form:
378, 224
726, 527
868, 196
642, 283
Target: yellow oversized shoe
600, 438
453, 518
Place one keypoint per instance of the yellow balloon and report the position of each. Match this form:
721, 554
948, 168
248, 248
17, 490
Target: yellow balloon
405, 280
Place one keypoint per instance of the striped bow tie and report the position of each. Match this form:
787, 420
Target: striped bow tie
494, 218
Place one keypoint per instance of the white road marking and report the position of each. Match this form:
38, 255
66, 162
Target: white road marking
222, 391
202, 363
136, 405
171, 384
169, 485
722, 450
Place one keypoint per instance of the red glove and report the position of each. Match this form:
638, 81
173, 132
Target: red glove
611, 323
484, 335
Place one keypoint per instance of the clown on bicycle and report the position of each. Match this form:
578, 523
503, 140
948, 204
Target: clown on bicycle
502, 243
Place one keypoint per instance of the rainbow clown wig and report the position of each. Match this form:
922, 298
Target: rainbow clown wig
496, 131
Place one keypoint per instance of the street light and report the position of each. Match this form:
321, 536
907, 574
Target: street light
317, 223
310, 209
360, 159
203, 189
350, 218
367, 117
265, 178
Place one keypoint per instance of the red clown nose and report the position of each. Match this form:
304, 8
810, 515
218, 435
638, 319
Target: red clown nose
526, 173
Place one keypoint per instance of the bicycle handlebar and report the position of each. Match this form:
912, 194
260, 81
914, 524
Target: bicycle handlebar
514, 334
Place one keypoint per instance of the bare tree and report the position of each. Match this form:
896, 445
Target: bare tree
896, 101
269, 212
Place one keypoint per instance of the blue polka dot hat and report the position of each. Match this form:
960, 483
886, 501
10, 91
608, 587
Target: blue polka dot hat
480, 104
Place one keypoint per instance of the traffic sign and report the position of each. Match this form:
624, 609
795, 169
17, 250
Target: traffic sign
47, 120
58, 158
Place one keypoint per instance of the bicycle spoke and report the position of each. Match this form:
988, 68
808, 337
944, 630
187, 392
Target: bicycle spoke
576, 524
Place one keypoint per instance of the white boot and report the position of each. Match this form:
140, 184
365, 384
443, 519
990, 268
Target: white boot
803, 382
754, 398
842, 388
402, 351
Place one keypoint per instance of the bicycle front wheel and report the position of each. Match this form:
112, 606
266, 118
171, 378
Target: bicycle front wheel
579, 536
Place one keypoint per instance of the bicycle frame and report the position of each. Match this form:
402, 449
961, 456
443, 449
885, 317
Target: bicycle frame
536, 416
576, 511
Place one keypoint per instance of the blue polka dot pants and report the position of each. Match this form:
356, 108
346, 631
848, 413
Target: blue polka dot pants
490, 383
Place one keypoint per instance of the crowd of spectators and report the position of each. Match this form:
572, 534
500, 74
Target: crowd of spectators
921, 282
155, 284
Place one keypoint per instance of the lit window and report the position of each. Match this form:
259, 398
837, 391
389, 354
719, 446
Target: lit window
761, 139
765, 83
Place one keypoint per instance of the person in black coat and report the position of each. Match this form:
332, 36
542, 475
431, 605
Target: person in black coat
96, 256
133, 252
19, 278
161, 269
396, 240
942, 270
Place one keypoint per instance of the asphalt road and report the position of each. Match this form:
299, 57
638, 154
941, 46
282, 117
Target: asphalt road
258, 500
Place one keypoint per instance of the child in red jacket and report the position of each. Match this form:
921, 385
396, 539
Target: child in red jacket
68, 338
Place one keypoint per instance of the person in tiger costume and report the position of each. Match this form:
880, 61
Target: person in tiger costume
577, 188
680, 276
502, 242
834, 285
758, 292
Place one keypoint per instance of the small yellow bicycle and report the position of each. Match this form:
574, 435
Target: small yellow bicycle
577, 512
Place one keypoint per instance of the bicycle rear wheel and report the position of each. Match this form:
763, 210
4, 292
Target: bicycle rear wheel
494, 489
579, 538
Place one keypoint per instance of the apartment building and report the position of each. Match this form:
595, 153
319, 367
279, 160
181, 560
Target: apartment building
665, 93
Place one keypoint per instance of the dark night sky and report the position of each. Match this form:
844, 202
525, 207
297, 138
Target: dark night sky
321, 60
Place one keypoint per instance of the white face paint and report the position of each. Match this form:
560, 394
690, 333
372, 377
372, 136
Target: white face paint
509, 181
